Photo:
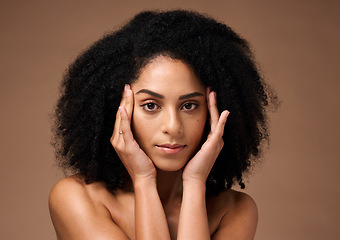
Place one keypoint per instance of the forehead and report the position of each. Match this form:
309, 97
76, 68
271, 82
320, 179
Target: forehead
166, 75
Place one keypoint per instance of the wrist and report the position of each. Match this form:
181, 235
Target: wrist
144, 182
143, 177
193, 180
195, 185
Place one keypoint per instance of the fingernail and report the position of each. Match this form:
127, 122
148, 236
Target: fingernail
126, 87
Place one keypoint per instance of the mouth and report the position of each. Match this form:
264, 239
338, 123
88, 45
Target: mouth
170, 148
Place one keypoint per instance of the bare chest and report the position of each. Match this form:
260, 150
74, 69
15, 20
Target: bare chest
122, 211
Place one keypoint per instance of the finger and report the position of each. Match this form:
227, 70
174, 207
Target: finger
125, 129
116, 129
208, 91
213, 111
128, 104
221, 123
117, 122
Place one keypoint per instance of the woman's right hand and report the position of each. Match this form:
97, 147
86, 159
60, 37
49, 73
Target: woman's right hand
136, 162
150, 219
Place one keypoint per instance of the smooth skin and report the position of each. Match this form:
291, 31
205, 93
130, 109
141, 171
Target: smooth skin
166, 107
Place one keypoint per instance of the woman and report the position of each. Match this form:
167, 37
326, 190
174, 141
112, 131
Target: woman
142, 122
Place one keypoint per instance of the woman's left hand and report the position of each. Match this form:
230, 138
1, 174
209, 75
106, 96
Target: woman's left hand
199, 166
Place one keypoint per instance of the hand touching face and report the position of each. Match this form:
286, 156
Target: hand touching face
170, 112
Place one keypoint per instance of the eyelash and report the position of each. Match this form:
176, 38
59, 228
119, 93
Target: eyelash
190, 103
146, 105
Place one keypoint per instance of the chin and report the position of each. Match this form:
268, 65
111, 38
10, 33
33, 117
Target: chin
172, 165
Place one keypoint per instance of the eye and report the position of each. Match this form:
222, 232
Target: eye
150, 107
189, 106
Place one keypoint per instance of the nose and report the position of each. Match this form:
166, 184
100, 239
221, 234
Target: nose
172, 123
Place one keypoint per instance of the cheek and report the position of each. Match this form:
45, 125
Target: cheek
137, 126
141, 128
201, 121
199, 125
197, 128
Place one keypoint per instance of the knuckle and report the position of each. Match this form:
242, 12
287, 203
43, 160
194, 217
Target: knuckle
119, 147
114, 143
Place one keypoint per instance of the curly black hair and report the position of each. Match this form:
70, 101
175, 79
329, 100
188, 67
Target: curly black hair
92, 89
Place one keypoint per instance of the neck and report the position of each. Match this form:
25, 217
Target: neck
169, 186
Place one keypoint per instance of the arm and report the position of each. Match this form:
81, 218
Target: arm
193, 221
237, 223
150, 219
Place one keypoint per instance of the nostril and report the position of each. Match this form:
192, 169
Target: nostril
173, 128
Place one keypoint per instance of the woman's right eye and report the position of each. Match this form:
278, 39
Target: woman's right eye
150, 107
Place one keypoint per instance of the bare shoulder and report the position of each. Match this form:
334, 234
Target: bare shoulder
69, 192
64, 187
76, 214
239, 215
74, 188
239, 201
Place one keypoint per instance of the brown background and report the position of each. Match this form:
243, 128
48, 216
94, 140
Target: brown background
296, 42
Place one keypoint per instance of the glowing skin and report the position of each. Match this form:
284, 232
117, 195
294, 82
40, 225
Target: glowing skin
170, 112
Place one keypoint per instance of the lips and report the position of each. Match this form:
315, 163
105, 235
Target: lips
170, 148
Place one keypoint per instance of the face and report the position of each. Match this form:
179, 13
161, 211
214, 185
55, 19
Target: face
170, 112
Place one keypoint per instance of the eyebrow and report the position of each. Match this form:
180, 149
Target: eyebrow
190, 95
157, 95
160, 96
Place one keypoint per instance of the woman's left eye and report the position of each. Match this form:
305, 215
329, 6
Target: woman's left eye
189, 106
